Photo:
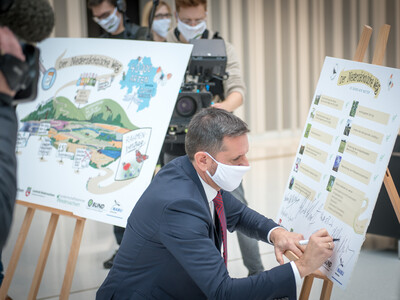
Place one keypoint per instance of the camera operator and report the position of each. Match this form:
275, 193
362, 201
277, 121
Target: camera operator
30, 21
111, 16
227, 94
8, 136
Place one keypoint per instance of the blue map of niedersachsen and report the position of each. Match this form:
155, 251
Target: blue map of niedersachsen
140, 81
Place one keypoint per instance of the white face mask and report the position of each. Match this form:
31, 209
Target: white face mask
161, 27
111, 23
228, 177
191, 32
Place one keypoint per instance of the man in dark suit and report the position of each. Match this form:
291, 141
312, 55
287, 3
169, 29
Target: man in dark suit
171, 247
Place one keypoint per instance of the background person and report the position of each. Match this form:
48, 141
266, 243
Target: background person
228, 94
31, 28
110, 15
2, 275
162, 20
171, 247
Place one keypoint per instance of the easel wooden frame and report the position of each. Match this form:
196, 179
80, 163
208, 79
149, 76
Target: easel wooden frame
51, 228
379, 54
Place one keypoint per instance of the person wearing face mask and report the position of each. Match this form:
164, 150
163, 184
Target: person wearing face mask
173, 240
110, 15
191, 24
191, 18
162, 20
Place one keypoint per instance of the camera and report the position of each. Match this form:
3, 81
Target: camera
187, 105
208, 60
31, 21
203, 80
22, 76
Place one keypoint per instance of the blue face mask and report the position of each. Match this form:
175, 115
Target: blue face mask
227, 177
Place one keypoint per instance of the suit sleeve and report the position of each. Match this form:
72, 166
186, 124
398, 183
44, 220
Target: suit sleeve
242, 218
185, 233
8, 134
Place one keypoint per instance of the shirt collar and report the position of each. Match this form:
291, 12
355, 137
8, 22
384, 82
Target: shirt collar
210, 191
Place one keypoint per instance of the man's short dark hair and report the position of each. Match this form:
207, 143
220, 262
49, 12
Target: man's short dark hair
189, 3
93, 3
208, 128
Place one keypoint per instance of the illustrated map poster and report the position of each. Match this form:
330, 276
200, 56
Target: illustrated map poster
90, 142
341, 161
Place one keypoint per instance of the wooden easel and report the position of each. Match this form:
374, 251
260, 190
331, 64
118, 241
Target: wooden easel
37, 278
379, 54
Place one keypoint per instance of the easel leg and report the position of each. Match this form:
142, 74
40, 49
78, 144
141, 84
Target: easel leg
326, 290
72, 258
306, 288
17, 252
392, 192
37, 278
398, 248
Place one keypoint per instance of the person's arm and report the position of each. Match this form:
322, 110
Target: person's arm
8, 133
185, 233
8, 136
319, 249
283, 241
234, 87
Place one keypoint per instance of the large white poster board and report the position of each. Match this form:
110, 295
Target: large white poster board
341, 161
90, 141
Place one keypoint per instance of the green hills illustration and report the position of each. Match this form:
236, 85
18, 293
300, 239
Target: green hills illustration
105, 111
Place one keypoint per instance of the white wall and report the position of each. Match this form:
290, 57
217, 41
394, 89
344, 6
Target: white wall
281, 45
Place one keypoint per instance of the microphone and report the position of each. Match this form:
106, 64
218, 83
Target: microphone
151, 18
30, 20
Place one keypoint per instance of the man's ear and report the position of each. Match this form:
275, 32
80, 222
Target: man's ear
201, 160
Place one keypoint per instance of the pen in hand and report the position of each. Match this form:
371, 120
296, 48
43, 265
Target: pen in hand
305, 242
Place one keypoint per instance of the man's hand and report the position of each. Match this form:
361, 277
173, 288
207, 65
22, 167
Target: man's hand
319, 249
9, 45
283, 241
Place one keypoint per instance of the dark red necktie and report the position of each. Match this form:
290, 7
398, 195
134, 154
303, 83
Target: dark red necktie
219, 208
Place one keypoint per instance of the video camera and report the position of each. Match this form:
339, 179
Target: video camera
22, 76
206, 66
30, 21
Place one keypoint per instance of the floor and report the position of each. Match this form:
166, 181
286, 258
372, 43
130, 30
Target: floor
376, 275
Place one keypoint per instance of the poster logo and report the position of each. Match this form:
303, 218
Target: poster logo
28, 191
95, 205
116, 208
340, 272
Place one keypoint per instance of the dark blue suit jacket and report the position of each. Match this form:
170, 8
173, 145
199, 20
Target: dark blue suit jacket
170, 248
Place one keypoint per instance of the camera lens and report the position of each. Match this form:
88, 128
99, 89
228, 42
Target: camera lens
186, 106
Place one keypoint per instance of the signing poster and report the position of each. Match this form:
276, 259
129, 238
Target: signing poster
341, 161
90, 142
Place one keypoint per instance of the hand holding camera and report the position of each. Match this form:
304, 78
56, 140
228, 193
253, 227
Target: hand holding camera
22, 22
9, 45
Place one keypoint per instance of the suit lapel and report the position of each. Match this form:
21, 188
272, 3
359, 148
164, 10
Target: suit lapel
190, 170
187, 166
